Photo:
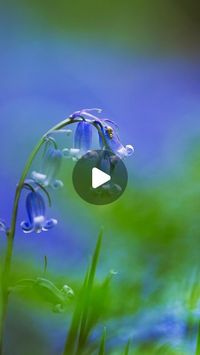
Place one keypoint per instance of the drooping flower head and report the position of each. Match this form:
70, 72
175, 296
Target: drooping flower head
113, 142
50, 167
36, 211
83, 136
108, 132
82, 139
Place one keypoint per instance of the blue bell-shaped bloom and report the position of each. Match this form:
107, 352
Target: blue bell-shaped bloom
113, 142
50, 167
82, 141
109, 137
36, 211
83, 136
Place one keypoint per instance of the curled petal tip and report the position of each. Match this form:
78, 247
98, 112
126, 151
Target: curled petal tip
129, 149
50, 223
26, 227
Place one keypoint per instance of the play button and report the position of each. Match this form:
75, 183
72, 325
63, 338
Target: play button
100, 177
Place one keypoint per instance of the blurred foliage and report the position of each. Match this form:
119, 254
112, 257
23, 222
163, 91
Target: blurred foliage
171, 24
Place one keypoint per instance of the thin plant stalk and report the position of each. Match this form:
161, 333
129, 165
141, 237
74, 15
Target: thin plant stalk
102, 344
76, 336
11, 232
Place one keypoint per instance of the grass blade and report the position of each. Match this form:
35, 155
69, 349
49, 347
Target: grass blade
95, 259
102, 344
87, 295
99, 303
127, 348
80, 315
75, 323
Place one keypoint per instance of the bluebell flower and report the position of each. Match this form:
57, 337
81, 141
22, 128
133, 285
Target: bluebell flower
50, 167
36, 211
113, 142
108, 135
82, 141
83, 136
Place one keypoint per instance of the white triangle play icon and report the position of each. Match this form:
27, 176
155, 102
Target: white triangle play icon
99, 178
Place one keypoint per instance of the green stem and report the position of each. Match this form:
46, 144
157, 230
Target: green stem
11, 232
4, 290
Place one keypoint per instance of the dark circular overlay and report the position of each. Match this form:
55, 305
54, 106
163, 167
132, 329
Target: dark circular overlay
106, 162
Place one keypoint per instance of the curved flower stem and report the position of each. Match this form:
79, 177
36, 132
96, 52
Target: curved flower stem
11, 232
10, 241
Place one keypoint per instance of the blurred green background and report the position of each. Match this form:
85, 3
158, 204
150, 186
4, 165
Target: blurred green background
139, 62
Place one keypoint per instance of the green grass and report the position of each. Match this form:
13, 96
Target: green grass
83, 316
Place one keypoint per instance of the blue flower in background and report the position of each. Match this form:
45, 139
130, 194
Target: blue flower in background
36, 211
50, 167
